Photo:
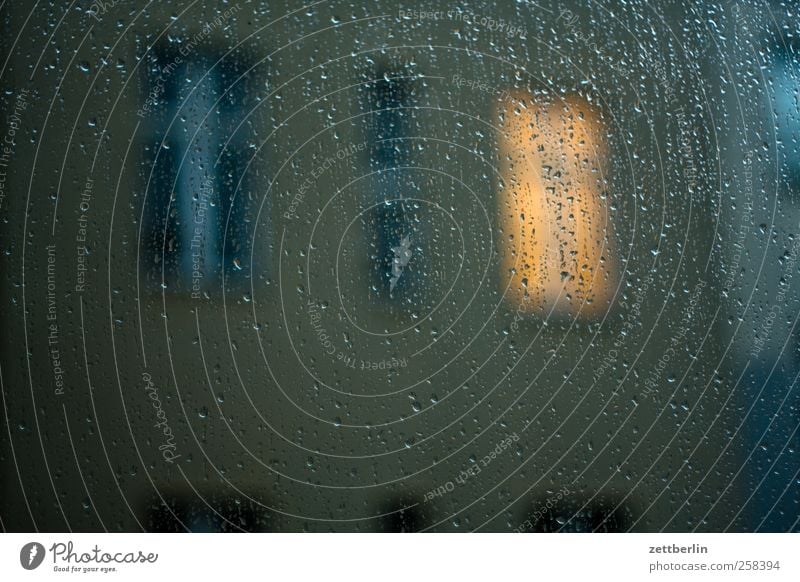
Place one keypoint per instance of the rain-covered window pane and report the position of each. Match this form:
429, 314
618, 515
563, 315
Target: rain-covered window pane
378, 267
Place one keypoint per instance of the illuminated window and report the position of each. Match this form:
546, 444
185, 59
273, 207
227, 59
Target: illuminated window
552, 205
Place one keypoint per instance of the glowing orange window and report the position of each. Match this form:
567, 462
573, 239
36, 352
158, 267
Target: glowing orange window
553, 209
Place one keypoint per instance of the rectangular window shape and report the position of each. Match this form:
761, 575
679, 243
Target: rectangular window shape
553, 211
201, 194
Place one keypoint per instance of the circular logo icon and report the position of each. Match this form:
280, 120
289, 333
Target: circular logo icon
31, 555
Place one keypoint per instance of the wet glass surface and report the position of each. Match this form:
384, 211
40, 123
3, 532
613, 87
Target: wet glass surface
501, 267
